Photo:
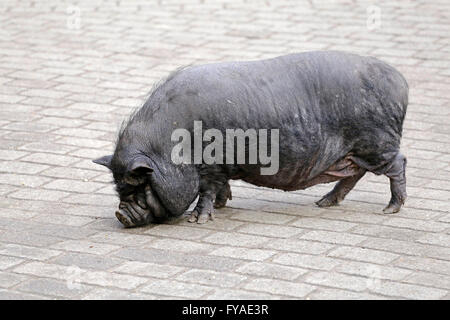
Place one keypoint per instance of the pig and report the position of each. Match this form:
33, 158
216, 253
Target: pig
338, 116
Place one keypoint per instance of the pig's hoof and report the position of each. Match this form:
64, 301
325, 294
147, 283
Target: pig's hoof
201, 218
220, 203
394, 205
193, 217
392, 208
204, 217
327, 201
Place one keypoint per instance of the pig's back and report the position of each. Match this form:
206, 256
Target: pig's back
318, 86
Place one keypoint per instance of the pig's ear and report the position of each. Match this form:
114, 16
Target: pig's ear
140, 167
104, 161
175, 185
137, 171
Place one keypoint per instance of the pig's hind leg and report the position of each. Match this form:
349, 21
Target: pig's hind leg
342, 188
394, 169
397, 177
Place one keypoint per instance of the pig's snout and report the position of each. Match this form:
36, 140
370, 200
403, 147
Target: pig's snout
133, 214
124, 218
140, 209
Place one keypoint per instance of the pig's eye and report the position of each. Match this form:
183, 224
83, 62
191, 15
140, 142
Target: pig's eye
124, 189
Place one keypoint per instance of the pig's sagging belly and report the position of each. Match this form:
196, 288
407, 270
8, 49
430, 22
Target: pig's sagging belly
296, 176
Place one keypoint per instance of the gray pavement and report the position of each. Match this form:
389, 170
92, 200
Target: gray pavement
71, 71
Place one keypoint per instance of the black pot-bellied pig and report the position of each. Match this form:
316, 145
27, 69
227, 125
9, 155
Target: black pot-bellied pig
330, 116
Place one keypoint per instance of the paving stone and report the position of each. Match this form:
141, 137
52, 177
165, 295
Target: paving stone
179, 259
87, 153
409, 291
185, 233
270, 230
298, 290
21, 167
233, 294
269, 270
181, 245
338, 294
62, 121
31, 238
333, 279
8, 279
100, 214
7, 262
429, 280
33, 253
417, 224
306, 261
6, 189
76, 276
61, 231
121, 239
52, 287
85, 246
87, 261
45, 93
243, 253
176, 289
424, 264
363, 254
10, 98
79, 132
236, 239
265, 217
148, 269
23, 180
35, 194
45, 270
11, 154
372, 270
50, 159
89, 199
47, 147
323, 224
224, 224
387, 232
73, 186
435, 239
301, 246
105, 224
83, 142
212, 278
62, 219
12, 295
108, 294
333, 237
108, 279
408, 248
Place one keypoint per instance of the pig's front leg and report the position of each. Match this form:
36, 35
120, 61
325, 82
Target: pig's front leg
213, 182
222, 196
204, 210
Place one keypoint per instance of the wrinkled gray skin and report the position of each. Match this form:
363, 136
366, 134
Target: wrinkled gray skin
339, 115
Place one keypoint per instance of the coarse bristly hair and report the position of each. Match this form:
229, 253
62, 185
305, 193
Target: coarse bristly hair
144, 110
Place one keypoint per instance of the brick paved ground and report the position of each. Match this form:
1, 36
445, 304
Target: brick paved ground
69, 72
